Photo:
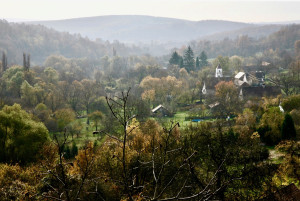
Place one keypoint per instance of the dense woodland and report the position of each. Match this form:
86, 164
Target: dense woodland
76, 120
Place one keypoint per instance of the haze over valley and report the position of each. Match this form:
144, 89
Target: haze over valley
149, 100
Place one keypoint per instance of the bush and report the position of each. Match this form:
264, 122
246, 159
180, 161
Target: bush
292, 102
288, 130
270, 126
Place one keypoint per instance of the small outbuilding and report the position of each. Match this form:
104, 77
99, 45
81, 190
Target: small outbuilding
161, 111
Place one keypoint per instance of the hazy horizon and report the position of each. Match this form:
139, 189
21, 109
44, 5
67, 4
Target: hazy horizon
192, 10
17, 20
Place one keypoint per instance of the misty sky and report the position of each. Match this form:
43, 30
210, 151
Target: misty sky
242, 11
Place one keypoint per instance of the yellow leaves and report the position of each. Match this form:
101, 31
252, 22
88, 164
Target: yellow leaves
149, 82
289, 169
137, 140
160, 87
183, 73
245, 123
141, 137
64, 117
138, 197
15, 181
270, 102
84, 159
255, 135
148, 95
272, 118
247, 118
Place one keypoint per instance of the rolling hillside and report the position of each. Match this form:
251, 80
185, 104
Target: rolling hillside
145, 29
41, 42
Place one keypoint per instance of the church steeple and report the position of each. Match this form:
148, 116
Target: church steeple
204, 89
219, 72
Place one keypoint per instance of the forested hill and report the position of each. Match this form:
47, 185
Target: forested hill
41, 42
282, 40
137, 28
255, 32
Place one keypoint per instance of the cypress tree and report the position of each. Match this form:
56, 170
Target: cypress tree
4, 62
26, 62
288, 130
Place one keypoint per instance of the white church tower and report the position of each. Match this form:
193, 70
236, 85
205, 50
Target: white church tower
219, 72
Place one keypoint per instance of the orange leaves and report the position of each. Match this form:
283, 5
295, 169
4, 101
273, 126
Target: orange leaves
84, 159
223, 88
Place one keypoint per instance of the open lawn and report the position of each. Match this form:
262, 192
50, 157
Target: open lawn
178, 117
86, 134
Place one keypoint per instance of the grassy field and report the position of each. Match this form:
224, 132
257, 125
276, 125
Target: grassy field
178, 117
87, 135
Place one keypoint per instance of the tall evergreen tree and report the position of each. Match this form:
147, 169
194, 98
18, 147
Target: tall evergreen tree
188, 60
28, 61
203, 59
24, 61
288, 130
181, 65
175, 59
197, 63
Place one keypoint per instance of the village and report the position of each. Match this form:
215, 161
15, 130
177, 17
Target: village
251, 84
165, 105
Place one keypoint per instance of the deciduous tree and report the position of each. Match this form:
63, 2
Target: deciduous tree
21, 137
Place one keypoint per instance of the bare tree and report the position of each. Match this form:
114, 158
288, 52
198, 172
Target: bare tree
172, 170
59, 183
120, 110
